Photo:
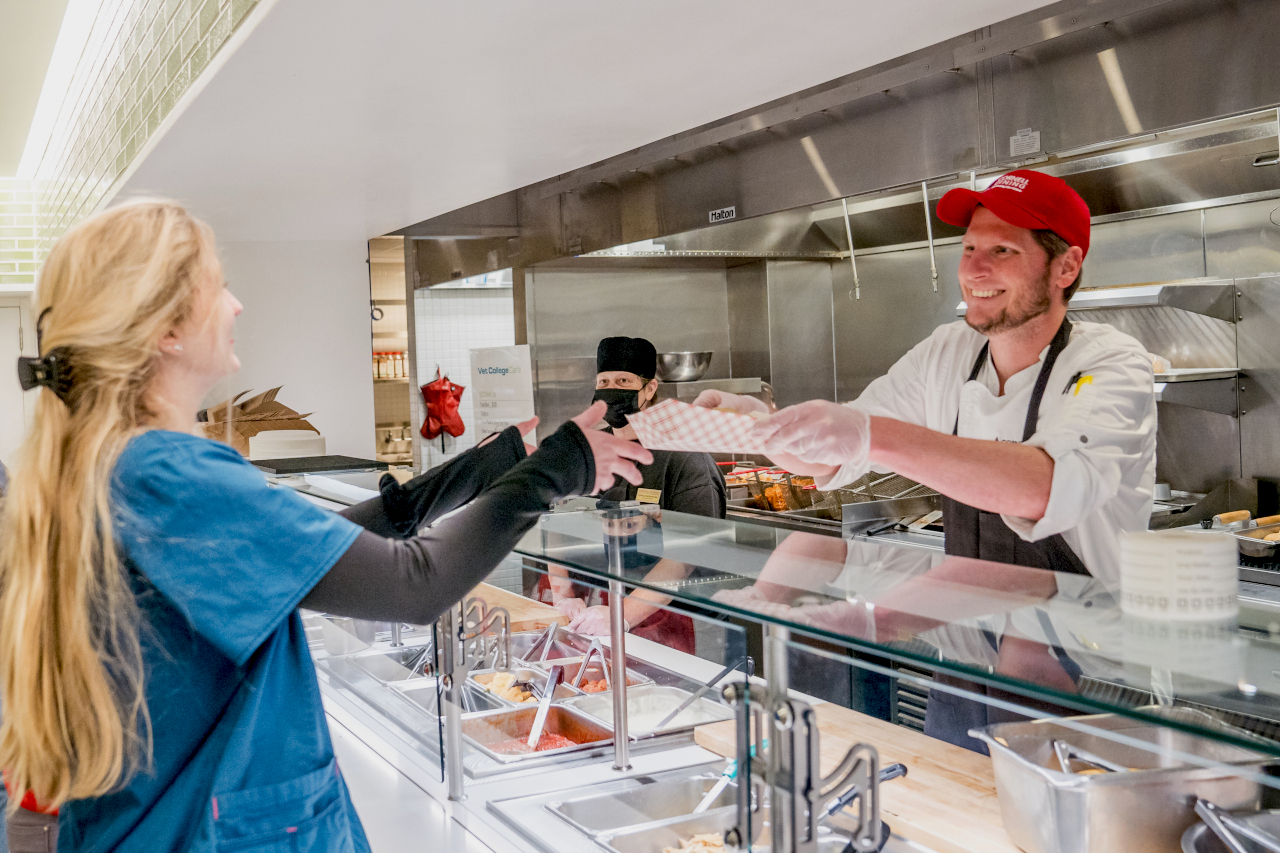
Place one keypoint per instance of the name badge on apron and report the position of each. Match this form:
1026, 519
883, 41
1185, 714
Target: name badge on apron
649, 496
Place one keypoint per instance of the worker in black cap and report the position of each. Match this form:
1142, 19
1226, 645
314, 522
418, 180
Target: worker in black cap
626, 379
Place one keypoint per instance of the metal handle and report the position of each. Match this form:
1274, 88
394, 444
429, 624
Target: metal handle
848, 233
928, 225
1210, 814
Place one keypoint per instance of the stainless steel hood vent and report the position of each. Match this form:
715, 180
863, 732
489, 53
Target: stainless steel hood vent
1220, 162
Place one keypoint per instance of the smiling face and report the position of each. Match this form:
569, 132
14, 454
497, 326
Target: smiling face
204, 346
1006, 278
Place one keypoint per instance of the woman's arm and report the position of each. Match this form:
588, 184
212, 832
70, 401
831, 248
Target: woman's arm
414, 580
402, 509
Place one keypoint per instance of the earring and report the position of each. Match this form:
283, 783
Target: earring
177, 347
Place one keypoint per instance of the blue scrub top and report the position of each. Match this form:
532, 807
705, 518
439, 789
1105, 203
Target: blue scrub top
242, 760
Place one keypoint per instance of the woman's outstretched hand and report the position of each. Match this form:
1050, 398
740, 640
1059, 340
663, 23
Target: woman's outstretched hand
613, 456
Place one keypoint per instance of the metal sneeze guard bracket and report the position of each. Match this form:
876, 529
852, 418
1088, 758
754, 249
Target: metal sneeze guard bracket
789, 761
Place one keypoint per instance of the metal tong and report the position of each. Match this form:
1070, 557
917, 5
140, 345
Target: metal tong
545, 641
540, 719
1227, 827
596, 648
750, 669
1065, 752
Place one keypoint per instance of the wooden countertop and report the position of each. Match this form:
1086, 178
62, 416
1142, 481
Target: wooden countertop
526, 614
947, 800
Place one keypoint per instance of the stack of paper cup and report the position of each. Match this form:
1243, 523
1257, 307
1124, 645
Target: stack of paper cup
1179, 575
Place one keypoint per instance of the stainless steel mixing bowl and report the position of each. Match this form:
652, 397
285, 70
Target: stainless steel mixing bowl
683, 366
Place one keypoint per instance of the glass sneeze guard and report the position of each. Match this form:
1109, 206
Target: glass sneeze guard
1035, 638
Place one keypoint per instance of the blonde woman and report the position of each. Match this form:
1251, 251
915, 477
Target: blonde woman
156, 685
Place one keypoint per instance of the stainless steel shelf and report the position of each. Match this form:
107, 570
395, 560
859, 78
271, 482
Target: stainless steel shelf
1197, 374
1210, 297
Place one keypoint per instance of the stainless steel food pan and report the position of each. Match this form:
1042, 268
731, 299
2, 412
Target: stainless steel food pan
1143, 811
481, 678
652, 801
648, 704
1200, 838
423, 693
653, 839
565, 645
595, 672
1251, 542
487, 730
389, 666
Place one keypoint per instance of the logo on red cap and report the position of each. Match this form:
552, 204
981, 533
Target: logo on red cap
1027, 199
1017, 183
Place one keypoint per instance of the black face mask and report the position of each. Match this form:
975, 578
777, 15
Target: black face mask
622, 402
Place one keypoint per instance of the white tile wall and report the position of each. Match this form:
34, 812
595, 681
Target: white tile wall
450, 323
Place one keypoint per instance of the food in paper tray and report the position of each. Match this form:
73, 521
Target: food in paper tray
503, 685
520, 745
707, 842
672, 425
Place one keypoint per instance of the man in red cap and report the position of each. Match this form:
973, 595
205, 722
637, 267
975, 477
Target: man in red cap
1038, 431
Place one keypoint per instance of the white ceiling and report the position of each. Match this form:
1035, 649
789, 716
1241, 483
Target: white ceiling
340, 120
28, 30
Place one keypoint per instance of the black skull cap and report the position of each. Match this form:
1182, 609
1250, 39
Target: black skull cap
634, 355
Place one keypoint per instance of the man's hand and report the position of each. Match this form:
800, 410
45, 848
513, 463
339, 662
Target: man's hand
613, 456
818, 432
593, 622
570, 607
736, 403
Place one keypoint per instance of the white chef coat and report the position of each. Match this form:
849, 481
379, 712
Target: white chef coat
1099, 431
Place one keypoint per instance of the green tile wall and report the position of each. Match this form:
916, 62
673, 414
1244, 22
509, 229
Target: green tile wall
18, 235
146, 54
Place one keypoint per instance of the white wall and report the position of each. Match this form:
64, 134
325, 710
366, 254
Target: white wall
306, 326
450, 323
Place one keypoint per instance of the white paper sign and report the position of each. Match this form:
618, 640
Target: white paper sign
502, 388
1025, 141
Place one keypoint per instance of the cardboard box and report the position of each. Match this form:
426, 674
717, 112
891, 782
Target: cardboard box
249, 417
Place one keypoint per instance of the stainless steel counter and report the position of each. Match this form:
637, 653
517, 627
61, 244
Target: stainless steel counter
402, 800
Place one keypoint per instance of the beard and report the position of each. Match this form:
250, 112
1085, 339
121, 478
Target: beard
1035, 302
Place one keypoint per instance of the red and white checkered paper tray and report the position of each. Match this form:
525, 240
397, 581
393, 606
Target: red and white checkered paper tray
672, 425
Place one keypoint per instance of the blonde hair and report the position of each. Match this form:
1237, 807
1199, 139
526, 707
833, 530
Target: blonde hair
73, 715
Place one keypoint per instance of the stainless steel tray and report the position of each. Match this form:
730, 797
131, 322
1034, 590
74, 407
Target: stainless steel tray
1250, 541
1200, 839
480, 679
655, 838
652, 801
389, 666
595, 672
654, 701
565, 645
486, 730
1144, 811
423, 693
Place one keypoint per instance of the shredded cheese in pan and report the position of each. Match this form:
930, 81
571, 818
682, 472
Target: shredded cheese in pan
710, 842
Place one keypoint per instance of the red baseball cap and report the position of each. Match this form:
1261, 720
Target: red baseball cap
1026, 199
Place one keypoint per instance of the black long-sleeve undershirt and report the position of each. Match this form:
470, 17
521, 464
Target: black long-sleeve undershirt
414, 580
403, 509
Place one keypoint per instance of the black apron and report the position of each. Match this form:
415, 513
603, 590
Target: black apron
973, 532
